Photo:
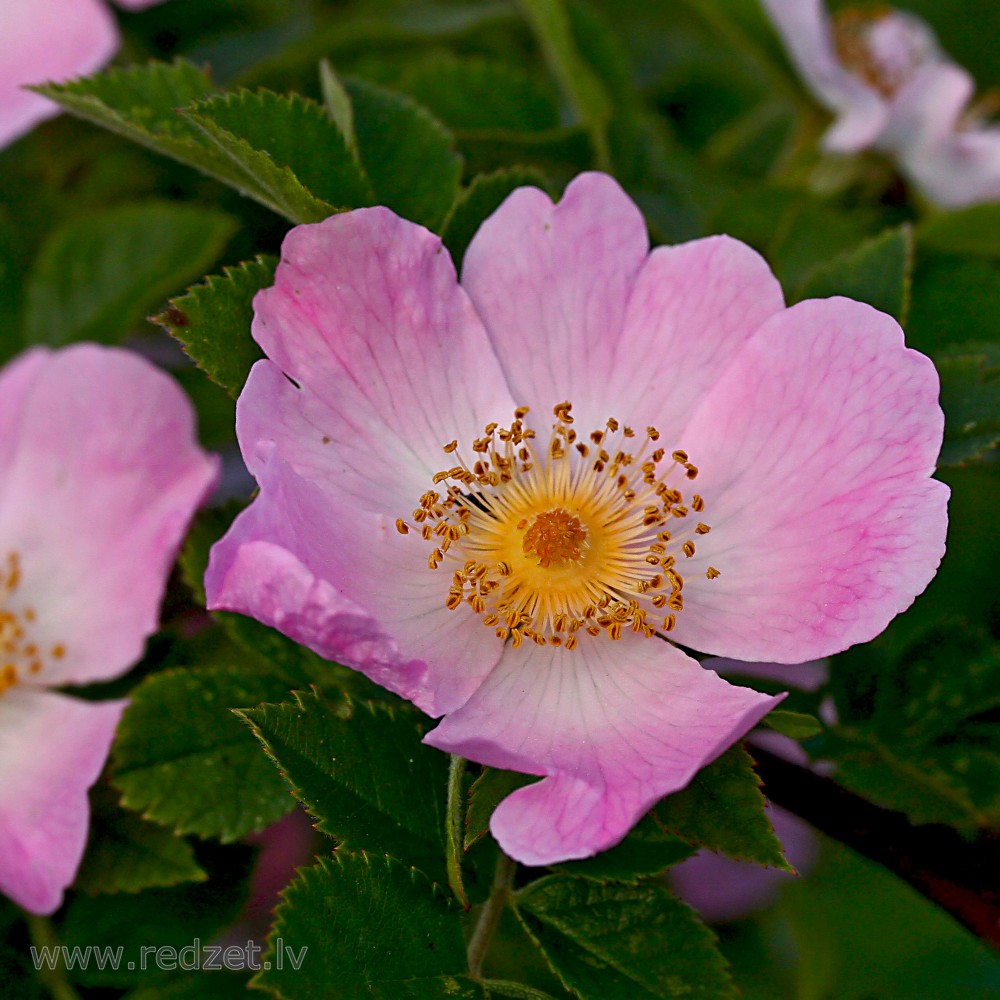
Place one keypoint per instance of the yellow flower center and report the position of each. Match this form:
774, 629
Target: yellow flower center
19, 656
579, 538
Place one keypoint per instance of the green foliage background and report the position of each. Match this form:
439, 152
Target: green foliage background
166, 191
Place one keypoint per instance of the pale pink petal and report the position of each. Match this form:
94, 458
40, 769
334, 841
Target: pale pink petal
104, 475
964, 169
614, 726
815, 450
311, 561
692, 307
927, 109
42, 41
551, 283
951, 164
367, 317
861, 111
52, 749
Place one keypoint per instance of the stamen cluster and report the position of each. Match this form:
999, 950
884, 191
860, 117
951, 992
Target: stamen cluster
17, 655
580, 537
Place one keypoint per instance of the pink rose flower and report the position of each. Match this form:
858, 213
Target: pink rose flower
50, 40
892, 89
99, 475
498, 498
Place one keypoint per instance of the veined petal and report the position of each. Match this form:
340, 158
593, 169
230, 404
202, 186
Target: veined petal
103, 476
861, 110
47, 40
52, 749
367, 317
613, 727
16, 380
551, 283
342, 581
717, 286
815, 450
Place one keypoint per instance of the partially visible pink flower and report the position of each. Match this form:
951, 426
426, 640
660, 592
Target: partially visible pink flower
50, 40
500, 498
99, 475
891, 88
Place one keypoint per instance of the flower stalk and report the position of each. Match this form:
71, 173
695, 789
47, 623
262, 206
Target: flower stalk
489, 916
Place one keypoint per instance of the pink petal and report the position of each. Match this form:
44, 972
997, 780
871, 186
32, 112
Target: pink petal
861, 111
103, 476
47, 40
52, 749
613, 726
816, 449
952, 165
964, 169
551, 283
367, 317
660, 369
310, 560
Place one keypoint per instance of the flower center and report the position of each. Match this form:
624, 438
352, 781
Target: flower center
578, 538
882, 46
555, 536
19, 657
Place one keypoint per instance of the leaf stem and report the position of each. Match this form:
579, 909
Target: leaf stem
489, 916
454, 834
43, 935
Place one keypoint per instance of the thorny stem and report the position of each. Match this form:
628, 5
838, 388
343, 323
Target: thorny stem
489, 916
43, 935
455, 829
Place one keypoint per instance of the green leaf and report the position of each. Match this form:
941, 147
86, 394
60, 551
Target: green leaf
292, 156
970, 398
480, 95
797, 232
185, 760
878, 272
956, 300
407, 153
499, 989
647, 850
617, 942
126, 853
212, 322
480, 200
366, 926
140, 103
583, 89
974, 230
723, 809
363, 773
98, 275
486, 793
211, 985
130, 924
916, 736
338, 105
795, 725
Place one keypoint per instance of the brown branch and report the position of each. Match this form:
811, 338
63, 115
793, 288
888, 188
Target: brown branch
961, 876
